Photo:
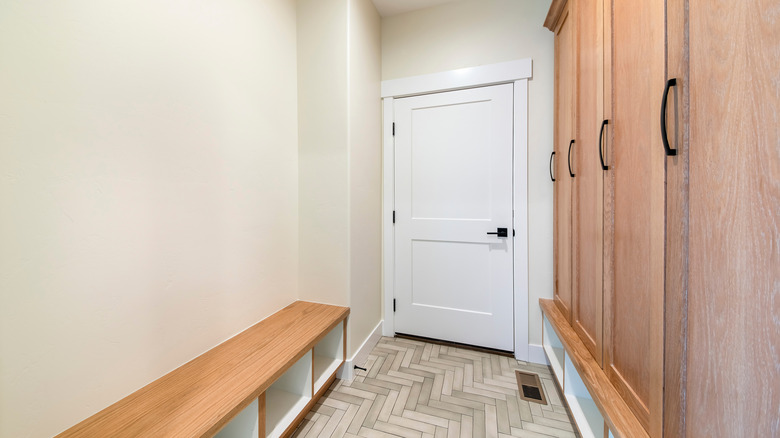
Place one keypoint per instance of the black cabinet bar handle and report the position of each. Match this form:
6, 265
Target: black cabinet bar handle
570, 145
551, 166
601, 138
665, 138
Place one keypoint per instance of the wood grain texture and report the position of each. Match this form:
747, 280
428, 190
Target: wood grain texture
609, 190
654, 354
733, 372
635, 354
344, 344
554, 14
677, 231
588, 219
564, 132
261, 416
617, 414
200, 397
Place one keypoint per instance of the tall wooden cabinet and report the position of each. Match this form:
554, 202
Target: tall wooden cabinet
635, 279
667, 238
563, 137
723, 192
616, 236
591, 107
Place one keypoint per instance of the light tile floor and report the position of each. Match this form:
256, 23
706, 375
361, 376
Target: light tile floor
419, 390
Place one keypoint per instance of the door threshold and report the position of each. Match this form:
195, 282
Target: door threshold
456, 345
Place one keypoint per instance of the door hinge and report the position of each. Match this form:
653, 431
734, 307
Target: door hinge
393, 216
393, 129
513, 232
393, 304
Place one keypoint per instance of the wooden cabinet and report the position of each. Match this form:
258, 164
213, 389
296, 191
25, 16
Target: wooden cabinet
635, 279
723, 219
617, 196
588, 190
616, 230
672, 252
565, 83
677, 230
582, 104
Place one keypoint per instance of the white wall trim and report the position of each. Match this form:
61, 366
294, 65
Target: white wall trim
347, 371
520, 217
518, 73
388, 205
536, 355
480, 76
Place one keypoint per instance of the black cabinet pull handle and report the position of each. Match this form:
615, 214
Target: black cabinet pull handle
601, 151
570, 145
551, 166
665, 138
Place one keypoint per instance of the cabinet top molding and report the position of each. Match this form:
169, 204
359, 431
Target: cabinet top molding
554, 14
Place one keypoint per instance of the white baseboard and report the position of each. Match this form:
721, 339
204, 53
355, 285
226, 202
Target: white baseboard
536, 354
347, 372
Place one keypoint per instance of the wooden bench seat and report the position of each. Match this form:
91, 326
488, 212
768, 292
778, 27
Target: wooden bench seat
617, 415
203, 395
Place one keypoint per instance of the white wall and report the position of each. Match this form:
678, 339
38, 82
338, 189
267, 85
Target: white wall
478, 32
323, 167
365, 170
339, 170
148, 193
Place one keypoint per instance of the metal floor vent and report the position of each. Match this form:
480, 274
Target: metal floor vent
530, 387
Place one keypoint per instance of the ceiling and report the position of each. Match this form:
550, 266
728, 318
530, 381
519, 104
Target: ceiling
387, 8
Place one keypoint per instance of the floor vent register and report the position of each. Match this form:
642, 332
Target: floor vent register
530, 387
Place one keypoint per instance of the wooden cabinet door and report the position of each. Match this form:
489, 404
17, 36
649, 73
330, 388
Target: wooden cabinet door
635, 288
733, 349
677, 223
587, 303
563, 135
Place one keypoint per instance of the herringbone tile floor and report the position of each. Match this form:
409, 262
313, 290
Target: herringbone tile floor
421, 390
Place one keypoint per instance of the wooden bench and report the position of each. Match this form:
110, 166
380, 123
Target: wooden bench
591, 397
281, 366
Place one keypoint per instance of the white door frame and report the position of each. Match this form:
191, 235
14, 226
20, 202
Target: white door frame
516, 72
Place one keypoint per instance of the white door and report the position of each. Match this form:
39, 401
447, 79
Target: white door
453, 164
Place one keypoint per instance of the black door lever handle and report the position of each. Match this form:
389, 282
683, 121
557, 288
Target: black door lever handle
500, 232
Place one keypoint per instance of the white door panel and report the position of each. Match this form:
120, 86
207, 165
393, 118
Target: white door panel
440, 267
453, 186
437, 191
